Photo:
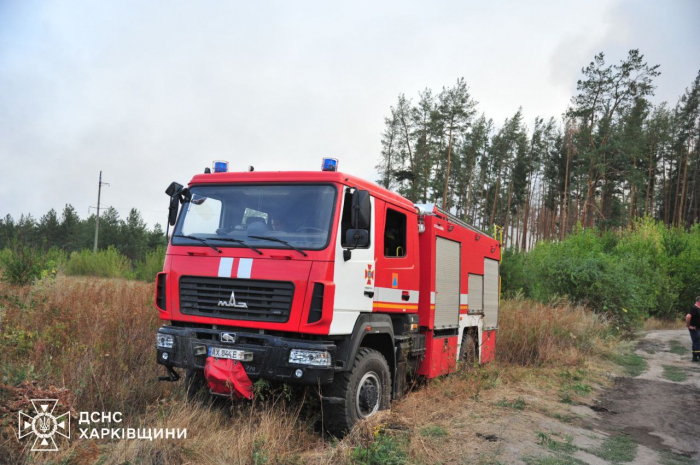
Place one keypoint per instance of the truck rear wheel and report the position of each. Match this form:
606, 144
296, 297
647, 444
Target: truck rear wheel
468, 352
357, 394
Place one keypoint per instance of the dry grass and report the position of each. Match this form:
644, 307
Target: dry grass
654, 324
90, 342
260, 434
535, 334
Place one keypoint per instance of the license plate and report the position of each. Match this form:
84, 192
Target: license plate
233, 354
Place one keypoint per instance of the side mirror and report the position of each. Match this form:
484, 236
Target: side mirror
361, 210
357, 237
173, 189
172, 210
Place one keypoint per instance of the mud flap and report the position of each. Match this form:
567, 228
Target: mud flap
228, 377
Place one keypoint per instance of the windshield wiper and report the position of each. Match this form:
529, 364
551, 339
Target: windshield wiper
200, 239
237, 241
274, 239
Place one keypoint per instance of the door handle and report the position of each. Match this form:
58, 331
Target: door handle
405, 296
369, 294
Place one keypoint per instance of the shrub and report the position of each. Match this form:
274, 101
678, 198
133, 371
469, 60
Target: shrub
513, 276
21, 264
107, 263
644, 270
683, 250
147, 269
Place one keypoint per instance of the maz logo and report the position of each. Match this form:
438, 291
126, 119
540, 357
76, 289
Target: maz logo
232, 302
228, 337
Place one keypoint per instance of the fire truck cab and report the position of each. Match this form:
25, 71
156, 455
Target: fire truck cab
320, 278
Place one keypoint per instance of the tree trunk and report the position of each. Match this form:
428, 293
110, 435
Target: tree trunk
510, 198
410, 158
588, 206
685, 181
527, 215
665, 187
633, 203
447, 174
564, 204
648, 196
495, 195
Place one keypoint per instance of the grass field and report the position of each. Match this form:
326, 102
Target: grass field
90, 343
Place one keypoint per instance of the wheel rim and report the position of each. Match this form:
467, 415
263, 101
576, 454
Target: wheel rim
368, 395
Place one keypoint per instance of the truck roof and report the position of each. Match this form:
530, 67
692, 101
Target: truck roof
302, 177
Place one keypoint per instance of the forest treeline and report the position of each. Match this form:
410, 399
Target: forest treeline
612, 156
69, 233
31, 249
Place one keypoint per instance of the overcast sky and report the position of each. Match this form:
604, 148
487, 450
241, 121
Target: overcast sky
153, 91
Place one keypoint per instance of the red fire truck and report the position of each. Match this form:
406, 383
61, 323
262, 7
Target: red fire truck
320, 278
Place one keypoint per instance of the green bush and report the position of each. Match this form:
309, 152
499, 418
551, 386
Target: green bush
645, 270
22, 264
149, 267
107, 263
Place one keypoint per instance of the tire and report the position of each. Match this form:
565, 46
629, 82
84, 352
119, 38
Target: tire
357, 394
194, 385
468, 353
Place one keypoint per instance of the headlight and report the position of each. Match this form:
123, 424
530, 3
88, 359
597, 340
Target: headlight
319, 358
166, 341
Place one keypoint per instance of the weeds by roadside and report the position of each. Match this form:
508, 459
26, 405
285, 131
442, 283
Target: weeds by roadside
536, 334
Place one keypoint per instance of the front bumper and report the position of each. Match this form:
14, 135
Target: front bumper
270, 354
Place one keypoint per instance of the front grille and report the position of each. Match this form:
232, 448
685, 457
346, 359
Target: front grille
269, 301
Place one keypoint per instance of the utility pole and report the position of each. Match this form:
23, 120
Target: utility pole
97, 218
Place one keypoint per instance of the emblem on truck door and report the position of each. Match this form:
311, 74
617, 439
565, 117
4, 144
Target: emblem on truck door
232, 302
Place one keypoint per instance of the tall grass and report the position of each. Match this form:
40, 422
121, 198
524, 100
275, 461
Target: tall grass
93, 336
89, 342
559, 333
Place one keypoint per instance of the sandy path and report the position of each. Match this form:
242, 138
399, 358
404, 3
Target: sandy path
660, 416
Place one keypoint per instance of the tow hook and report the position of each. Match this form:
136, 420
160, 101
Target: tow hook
172, 375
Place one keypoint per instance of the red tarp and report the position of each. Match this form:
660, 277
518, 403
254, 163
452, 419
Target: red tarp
225, 376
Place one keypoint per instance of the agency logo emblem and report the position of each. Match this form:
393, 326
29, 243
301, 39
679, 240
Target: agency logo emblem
44, 425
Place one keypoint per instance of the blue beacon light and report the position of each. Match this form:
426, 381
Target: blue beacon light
329, 164
220, 166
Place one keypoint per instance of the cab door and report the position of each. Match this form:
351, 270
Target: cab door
355, 271
397, 282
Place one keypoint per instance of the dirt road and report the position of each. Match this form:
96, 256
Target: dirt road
649, 413
661, 407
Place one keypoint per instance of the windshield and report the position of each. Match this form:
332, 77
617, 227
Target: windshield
300, 215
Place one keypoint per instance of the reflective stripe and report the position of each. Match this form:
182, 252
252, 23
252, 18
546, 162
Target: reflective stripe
225, 265
406, 306
244, 267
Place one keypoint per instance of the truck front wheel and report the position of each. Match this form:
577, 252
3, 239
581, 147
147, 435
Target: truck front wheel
357, 394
